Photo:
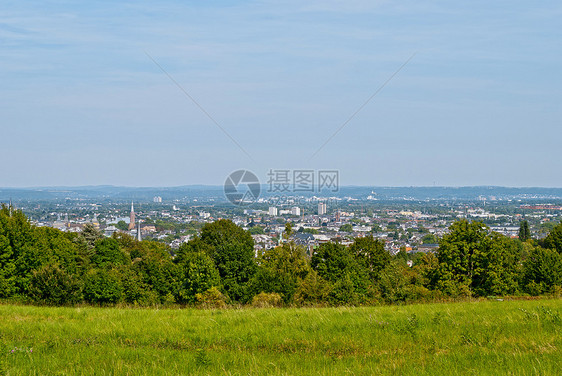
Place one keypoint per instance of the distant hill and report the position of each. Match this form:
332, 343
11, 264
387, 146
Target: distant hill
216, 192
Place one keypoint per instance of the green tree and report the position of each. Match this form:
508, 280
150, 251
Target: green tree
473, 261
108, 253
18, 256
371, 255
103, 287
429, 239
195, 245
288, 230
313, 289
122, 225
233, 254
336, 264
256, 230
554, 238
524, 232
152, 262
348, 227
376, 228
91, 235
54, 286
280, 270
7, 267
198, 274
542, 270
135, 290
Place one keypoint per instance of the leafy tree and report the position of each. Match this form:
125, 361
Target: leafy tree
542, 270
524, 232
198, 274
496, 267
371, 255
256, 230
233, 254
7, 267
195, 245
348, 227
473, 261
554, 238
336, 264
18, 257
429, 239
393, 282
153, 264
91, 235
376, 228
122, 225
103, 286
135, 290
280, 269
108, 253
54, 286
313, 289
288, 230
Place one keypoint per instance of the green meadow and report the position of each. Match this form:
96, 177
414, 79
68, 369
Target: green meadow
470, 338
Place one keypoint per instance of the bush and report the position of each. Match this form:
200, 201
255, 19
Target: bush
136, 292
267, 300
212, 298
103, 287
198, 274
312, 290
52, 285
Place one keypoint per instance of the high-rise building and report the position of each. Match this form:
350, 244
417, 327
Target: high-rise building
132, 217
157, 199
272, 210
322, 208
296, 210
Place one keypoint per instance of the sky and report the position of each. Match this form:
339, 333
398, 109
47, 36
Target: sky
98, 92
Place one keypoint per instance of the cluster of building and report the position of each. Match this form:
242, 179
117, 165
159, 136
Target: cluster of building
403, 227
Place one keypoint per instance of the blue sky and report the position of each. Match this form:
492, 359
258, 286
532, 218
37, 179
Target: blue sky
479, 104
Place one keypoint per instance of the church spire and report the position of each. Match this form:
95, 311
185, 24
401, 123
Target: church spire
132, 217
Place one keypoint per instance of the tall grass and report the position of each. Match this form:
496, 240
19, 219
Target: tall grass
480, 338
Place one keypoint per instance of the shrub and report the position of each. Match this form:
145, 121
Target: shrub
266, 300
102, 286
52, 285
312, 290
212, 298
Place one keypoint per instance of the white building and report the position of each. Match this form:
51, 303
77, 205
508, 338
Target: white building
296, 211
272, 210
157, 199
322, 208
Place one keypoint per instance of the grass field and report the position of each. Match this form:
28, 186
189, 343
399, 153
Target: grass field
479, 338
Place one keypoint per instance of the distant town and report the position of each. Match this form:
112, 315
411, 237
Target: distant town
406, 222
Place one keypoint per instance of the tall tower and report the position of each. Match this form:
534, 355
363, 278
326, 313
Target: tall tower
139, 236
132, 217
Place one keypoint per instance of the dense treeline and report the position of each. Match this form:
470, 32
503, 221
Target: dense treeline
47, 266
